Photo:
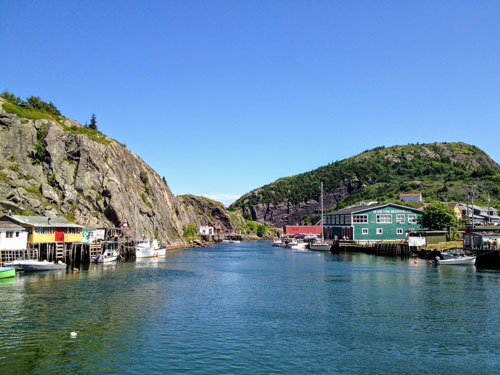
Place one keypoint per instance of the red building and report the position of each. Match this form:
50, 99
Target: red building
304, 229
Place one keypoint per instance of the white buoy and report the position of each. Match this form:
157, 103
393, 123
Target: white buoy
73, 334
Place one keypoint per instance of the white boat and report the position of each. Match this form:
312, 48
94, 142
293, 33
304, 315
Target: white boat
299, 246
455, 260
106, 257
29, 265
277, 241
292, 242
148, 249
320, 245
234, 241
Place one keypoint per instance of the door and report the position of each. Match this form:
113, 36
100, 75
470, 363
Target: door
59, 234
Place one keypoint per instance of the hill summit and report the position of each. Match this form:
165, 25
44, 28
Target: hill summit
440, 171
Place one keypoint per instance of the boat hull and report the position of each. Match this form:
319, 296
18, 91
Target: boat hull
320, 247
35, 265
7, 272
458, 262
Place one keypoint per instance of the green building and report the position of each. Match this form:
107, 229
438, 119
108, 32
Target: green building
380, 222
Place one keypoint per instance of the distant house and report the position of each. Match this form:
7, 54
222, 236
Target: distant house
380, 222
206, 230
12, 236
417, 197
232, 232
480, 215
486, 238
292, 230
456, 210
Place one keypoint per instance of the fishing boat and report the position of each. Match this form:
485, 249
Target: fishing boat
106, 257
320, 245
302, 246
31, 265
6, 272
455, 260
148, 249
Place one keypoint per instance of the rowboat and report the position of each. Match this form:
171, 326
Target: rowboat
6, 272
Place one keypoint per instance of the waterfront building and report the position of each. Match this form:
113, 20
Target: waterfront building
412, 197
380, 222
292, 230
12, 236
483, 238
43, 229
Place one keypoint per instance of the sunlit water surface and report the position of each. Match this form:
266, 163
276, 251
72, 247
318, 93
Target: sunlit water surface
251, 308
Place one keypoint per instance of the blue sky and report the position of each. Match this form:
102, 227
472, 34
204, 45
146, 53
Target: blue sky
221, 97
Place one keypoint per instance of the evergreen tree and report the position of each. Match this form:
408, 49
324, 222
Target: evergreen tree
93, 122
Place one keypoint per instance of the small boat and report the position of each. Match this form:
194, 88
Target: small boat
30, 265
455, 260
320, 246
148, 249
106, 257
234, 241
277, 241
302, 246
6, 272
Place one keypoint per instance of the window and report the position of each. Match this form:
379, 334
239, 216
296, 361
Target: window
399, 231
412, 219
8, 235
380, 231
360, 218
348, 219
17, 234
336, 219
364, 231
342, 219
384, 219
400, 219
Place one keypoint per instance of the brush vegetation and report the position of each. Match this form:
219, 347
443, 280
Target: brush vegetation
440, 171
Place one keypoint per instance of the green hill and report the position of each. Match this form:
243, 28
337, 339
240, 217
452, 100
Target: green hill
442, 171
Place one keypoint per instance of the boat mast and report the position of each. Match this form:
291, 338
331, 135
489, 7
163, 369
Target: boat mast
322, 236
136, 224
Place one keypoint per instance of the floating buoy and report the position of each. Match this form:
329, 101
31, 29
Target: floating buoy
73, 334
415, 262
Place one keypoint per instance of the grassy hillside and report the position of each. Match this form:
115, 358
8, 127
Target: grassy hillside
441, 171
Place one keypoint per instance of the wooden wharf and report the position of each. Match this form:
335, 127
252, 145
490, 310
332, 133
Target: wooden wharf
376, 248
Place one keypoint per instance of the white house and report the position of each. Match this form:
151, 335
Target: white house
12, 236
206, 230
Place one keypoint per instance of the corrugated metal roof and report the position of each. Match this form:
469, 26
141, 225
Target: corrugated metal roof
43, 221
10, 227
350, 210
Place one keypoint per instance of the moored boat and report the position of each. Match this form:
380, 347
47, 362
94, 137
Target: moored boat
455, 260
277, 241
106, 257
148, 249
6, 272
31, 265
320, 245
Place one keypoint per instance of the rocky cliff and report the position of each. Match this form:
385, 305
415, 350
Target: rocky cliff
440, 171
55, 166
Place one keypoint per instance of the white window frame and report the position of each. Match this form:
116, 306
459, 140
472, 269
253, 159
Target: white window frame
400, 218
380, 231
364, 230
341, 219
360, 218
412, 219
399, 231
379, 217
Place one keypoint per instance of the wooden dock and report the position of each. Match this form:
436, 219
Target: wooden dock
376, 248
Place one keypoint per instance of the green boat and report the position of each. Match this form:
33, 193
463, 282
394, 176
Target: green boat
6, 272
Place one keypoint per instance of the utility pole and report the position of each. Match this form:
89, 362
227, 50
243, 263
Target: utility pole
489, 219
472, 200
468, 216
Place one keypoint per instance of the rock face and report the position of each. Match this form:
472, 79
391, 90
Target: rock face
48, 168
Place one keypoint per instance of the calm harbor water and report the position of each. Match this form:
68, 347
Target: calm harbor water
250, 308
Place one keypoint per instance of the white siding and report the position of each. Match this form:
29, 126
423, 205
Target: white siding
14, 243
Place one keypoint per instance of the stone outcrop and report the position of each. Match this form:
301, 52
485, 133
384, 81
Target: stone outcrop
49, 168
